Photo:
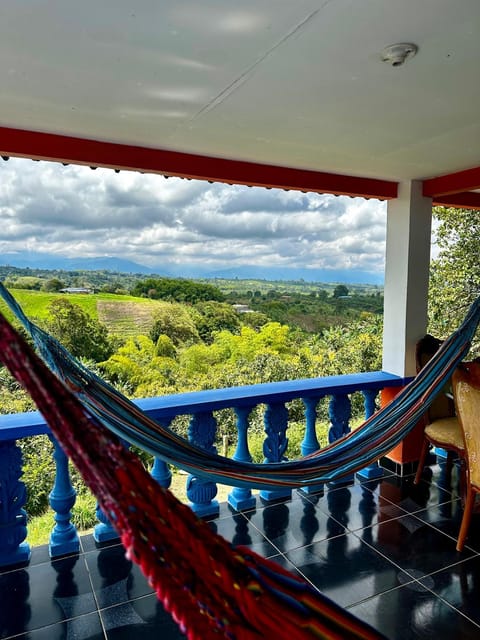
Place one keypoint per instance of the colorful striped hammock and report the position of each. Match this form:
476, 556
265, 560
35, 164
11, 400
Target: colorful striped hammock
211, 589
376, 437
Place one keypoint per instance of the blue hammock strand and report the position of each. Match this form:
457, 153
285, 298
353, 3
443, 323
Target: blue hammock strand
376, 437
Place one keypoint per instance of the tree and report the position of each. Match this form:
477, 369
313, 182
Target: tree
53, 284
175, 321
215, 316
82, 335
340, 290
177, 289
455, 272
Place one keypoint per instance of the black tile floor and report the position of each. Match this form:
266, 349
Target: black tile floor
384, 549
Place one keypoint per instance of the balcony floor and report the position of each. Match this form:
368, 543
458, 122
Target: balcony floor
383, 549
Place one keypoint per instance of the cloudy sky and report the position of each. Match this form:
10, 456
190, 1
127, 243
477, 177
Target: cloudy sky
74, 211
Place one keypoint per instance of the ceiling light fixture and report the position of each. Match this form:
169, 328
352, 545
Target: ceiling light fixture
398, 54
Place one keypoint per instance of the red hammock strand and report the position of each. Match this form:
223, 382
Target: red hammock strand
211, 589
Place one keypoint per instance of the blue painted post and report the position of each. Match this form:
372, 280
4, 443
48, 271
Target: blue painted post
241, 498
339, 412
13, 518
276, 422
373, 470
201, 493
310, 441
64, 537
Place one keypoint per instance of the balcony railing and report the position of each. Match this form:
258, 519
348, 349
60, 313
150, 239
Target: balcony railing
200, 409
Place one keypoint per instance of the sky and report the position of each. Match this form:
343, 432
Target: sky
75, 211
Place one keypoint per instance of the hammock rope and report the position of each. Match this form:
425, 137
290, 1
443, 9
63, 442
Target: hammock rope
369, 442
212, 589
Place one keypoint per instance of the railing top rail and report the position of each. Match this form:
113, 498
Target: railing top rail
270, 392
21, 425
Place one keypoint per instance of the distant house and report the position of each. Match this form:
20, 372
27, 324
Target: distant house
76, 290
242, 308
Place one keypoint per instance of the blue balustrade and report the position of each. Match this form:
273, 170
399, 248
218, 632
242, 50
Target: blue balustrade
200, 407
13, 517
201, 493
310, 442
275, 445
373, 470
160, 470
339, 412
241, 498
64, 537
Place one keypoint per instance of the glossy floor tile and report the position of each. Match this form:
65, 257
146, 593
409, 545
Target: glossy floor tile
384, 549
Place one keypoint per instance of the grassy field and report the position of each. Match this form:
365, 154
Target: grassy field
123, 315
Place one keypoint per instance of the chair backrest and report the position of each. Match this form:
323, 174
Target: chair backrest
442, 406
466, 389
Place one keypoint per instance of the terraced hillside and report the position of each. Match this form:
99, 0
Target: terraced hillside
127, 317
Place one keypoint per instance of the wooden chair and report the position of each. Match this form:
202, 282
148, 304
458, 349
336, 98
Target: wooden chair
466, 391
442, 428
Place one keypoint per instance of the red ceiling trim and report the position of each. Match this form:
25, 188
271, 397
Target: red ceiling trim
465, 200
47, 146
452, 183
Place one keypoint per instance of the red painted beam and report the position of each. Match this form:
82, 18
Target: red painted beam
465, 200
47, 146
452, 183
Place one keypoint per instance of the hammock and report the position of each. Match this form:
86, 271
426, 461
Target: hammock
376, 437
212, 589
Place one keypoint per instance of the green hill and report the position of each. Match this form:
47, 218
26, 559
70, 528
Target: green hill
125, 315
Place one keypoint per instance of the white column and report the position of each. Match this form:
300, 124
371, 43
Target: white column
409, 221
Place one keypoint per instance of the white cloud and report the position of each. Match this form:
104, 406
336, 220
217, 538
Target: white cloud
75, 211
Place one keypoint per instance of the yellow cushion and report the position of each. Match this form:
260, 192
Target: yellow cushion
445, 432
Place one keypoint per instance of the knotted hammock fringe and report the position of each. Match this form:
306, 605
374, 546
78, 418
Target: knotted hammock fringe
376, 437
211, 589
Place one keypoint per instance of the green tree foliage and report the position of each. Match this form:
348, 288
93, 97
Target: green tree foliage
164, 347
214, 317
175, 321
77, 331
340, 290
455, 273
137, 367
177, 289
354, 348
53, 284
255, 319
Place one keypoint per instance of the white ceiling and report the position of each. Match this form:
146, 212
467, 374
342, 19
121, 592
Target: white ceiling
297, 83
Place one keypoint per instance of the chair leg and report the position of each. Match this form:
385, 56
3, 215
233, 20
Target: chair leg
467, 516
421, 461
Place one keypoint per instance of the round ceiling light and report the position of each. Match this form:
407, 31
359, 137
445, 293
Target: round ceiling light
397, 54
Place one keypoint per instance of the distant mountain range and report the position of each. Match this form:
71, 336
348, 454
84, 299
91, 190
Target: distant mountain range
35, 260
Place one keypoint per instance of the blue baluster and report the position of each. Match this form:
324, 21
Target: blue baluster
373, 470
13, 518
64, 537
276, 422
104, 531
241, 498
160, 469
201, 493
339, 412
310, 441
161, 473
